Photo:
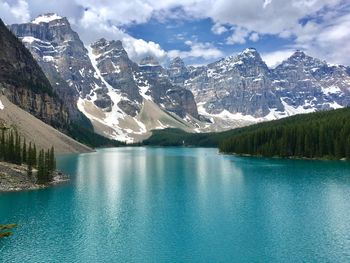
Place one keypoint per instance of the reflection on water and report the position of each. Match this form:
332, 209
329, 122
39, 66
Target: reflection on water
183, 205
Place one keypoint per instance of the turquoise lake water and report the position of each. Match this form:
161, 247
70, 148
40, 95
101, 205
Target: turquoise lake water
182, 205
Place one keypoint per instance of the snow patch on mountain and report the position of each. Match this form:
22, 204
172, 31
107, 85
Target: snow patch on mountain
331, 90
1, 105
46, 18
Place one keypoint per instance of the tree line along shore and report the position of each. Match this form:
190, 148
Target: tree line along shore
21, 161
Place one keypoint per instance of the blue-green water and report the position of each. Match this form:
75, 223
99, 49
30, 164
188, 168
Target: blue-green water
182, 205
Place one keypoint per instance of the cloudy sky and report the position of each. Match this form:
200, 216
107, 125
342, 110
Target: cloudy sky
202, 31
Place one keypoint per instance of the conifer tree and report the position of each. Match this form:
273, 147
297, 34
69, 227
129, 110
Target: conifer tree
47, 168
52, 159
2, 145
9, 156
41, 168
34, 156
17, 149
24, 151
30, 159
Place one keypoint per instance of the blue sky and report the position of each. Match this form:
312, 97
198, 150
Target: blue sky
202, 31
173, 34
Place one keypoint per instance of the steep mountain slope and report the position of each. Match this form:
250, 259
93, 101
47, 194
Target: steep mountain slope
307, 83
36, 131
102, 81
123, 99
63, 57
238, 84
243, 87
134, 111
24, 83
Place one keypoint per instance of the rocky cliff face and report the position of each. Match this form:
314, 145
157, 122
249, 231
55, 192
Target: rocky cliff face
24, 83
177, 71
173, 98
307, 83
243, 86
63, 57
101, 81
114, 65
125, 100
238, 84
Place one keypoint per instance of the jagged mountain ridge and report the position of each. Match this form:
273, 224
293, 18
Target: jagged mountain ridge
62, 56
111, 90
243, 86
101, 80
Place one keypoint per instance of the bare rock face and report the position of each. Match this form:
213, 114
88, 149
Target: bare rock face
172, 97
148, 80
238, 84
64, 59
309, 83
177, 71
244, 84
117, 69
101, 81
25, 84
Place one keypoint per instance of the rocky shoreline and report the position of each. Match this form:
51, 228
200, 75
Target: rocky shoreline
15, 178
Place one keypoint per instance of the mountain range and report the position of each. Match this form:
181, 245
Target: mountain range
125, 100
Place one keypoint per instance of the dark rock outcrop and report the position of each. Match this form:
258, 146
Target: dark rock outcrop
24, 83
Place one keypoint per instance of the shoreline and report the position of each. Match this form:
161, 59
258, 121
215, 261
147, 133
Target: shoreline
14, 178
343, 159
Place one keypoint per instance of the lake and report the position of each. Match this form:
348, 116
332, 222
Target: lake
182, 205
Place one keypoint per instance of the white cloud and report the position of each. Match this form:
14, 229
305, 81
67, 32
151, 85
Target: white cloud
14, 11
254, 37
326, 37
266, 3
138, 49
272, 59
197, 50
328, 40
218, 29
238, 36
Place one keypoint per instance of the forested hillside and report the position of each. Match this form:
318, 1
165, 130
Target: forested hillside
317, 135
323, 134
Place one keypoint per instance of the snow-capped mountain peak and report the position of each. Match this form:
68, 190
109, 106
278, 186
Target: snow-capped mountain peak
124, 100
46, 18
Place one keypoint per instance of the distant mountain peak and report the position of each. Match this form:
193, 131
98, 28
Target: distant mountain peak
177, 59
249, 50
103, 43
299, 57
177, 62
149, 61
250, 53
299, 54
46, 18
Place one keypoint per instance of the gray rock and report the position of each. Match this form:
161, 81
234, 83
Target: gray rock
177, 71
64, 59
244, 84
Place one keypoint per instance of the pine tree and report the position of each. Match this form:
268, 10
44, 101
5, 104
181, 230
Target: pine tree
34, 156
9, 156
17, 149
2, 145
41, 168
52, 159
30, 159
47, 168
24, 151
